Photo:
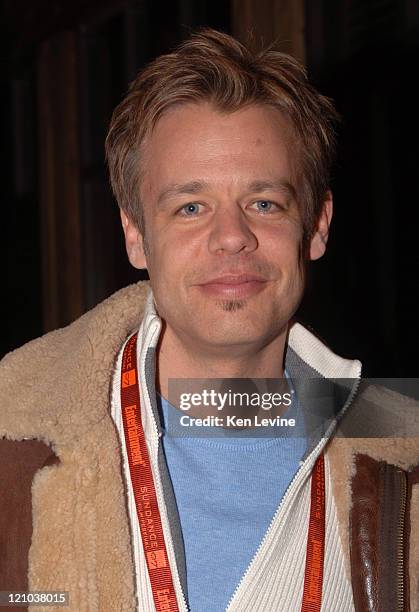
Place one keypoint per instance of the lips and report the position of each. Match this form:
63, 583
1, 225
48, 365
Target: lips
235, 279
234, 286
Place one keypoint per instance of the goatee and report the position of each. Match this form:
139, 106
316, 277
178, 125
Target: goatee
232, 305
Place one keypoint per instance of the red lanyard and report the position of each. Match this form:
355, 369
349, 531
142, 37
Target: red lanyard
148, 513
143, 485
313, 579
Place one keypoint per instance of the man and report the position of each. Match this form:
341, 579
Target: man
220, 162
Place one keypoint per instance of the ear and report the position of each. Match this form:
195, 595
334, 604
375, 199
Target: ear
319, 240
134, 242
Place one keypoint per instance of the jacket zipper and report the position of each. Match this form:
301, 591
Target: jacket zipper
400, 539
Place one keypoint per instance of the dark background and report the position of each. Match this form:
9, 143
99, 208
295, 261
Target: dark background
65, 65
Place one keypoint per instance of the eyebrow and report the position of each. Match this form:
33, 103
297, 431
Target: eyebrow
198, 186
280, 185
175, 189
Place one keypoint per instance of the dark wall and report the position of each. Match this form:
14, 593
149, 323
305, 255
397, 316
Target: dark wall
20, 243
363, 295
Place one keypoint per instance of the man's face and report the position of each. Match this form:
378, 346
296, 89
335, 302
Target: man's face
223, 229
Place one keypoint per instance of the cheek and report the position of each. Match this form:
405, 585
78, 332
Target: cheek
287, 251
166, 265
177, 255
285, 244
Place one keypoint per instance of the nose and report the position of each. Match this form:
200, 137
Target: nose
230, 232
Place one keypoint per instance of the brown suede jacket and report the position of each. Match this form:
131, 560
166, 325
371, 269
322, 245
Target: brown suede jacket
63, 515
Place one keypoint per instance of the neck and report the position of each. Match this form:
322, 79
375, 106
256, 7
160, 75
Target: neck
177, 359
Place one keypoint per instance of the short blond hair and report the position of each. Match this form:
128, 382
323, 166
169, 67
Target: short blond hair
214, 67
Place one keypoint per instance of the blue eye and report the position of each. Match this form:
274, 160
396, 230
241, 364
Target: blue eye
190, 209
264, 205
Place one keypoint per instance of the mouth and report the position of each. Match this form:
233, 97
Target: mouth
231, 286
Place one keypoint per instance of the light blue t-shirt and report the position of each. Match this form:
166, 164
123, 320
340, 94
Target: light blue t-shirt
227, 490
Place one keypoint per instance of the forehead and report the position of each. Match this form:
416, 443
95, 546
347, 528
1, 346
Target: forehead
195, 141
